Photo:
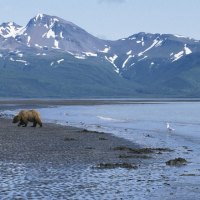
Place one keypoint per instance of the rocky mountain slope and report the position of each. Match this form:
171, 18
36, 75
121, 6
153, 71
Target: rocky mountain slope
51, 57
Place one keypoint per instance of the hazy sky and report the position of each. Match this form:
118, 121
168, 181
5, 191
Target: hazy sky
112, 19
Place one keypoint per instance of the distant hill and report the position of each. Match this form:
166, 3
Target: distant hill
51, 57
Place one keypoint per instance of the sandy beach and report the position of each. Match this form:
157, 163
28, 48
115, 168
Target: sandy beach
39, 163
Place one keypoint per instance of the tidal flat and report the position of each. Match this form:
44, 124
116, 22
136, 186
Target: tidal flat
66, 162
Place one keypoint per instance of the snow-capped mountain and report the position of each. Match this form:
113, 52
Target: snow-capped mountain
154, 48
44, 31
56, 43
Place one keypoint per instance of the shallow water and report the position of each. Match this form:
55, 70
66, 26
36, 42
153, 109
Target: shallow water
141, 123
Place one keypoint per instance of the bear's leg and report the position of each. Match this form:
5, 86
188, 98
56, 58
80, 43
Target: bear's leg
39, 122
34, 124
20, 123
25, 123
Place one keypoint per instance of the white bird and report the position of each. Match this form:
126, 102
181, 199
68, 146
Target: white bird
169, 128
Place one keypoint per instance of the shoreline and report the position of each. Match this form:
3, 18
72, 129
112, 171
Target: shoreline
90, 102
64, 161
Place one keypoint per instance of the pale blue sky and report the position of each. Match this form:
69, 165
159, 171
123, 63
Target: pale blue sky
112, 19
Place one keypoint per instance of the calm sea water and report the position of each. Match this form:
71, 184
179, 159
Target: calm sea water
144, 124
131, 120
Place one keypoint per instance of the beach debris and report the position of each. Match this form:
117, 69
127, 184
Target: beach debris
116, 165
102, 138
176, 162
134, 156
89, 148
169, 128
190, 175
142, 150
150, 136
69, 139
85, 131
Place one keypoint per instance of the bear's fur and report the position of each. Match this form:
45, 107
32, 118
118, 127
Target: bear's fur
26, 116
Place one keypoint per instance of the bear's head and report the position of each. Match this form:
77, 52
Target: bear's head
16, 119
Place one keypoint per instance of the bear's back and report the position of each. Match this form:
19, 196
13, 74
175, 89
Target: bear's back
29, 114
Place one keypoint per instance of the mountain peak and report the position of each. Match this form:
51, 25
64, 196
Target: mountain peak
43, 19
39, 16
47, 21
9, 29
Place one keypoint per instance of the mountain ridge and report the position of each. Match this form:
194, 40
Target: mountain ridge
56, 44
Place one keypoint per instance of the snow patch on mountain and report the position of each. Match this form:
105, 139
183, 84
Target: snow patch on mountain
143, 58
178, 56
28, 41
159, 43
21, 31
21, 61
49, 34
61, 60
112, 61
90, 54
129, 52
20, 55
56, 44
187, 50
129, 57
154, 43
80, 57
38, 16
106, 50
37, 45
142, 41
70, 53
132, 38
41, 54
179, 36
9, 29
61, 35
132, 64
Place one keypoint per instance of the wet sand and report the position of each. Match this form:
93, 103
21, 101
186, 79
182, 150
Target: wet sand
63, 162
60, 162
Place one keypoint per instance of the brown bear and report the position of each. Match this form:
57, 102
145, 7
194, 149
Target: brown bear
26, 116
